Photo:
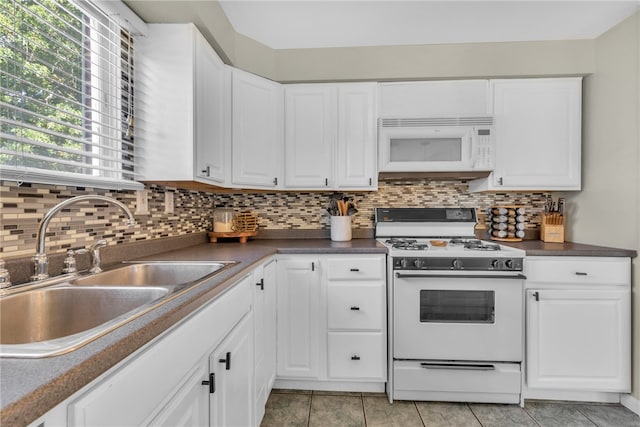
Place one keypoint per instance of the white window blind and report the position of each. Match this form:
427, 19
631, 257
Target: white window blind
67, 95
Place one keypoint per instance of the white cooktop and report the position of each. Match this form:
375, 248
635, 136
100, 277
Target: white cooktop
437, 247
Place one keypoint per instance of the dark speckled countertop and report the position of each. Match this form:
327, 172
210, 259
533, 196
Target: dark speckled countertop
540, 248
31, 387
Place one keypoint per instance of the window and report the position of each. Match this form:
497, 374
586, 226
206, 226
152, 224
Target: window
66, 106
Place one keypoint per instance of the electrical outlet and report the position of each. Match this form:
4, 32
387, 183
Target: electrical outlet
142, 202
168, 202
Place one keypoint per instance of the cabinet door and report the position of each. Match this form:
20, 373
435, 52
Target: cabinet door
357, 143
265, 335
256, 130
298, 320
579, 340
164, 105
270, 325
189, 407
538, 133
434, 99
232, 363
310, 114
212, 118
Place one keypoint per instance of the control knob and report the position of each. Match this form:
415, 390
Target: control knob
402, 263
509, 263
456, 264
495, 264
418, 263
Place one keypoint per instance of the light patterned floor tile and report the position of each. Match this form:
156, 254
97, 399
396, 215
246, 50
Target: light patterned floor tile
610, 415
551, 414
447, 414
336, 411
287, 410
379, 412
501, 415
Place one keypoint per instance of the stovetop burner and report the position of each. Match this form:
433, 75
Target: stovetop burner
481, 246
407, 244
463, 241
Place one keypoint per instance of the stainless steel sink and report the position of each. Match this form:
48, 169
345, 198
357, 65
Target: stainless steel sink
50, 313
153, 274
60, 315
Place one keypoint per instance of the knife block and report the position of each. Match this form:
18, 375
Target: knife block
552, 228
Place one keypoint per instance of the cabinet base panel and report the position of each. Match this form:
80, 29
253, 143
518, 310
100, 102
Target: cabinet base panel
571, 395
347, 386
439, 396
630, 402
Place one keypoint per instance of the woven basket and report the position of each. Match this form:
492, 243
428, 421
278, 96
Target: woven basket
245, 221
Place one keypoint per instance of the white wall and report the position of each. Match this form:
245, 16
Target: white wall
607, 211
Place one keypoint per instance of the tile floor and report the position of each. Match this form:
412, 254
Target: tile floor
325, 409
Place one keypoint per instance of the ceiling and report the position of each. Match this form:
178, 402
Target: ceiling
292, 24
337, 23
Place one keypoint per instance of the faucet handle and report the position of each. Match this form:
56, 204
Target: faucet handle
5, 277
97, 245
70, 261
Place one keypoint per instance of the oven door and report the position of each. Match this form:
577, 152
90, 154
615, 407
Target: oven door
458, 316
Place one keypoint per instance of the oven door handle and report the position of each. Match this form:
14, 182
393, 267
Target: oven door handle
456, 366
458, 276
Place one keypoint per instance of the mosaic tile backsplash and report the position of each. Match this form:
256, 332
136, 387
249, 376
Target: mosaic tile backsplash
81, 224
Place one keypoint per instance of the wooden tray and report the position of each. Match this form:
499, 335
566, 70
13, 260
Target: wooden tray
243, 235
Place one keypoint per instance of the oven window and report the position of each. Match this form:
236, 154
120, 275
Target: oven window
450, 306
426, 149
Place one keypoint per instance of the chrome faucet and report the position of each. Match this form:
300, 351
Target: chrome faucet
41, 263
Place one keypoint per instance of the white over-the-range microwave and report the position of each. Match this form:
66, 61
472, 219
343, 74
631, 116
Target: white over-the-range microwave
436, 144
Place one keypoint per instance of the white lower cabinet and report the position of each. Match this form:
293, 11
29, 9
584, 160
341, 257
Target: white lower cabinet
189, 406
299, 317
167, 382
332, 322
233, 367
578, 324
264, 297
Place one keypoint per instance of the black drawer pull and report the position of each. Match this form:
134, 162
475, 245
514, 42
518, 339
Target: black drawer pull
355, 357
261, 284
211, 383
355, 308
227, 361
355, 269
580, 273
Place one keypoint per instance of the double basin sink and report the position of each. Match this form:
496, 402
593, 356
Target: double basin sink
63, 314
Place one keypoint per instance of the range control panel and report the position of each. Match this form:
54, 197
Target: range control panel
463, 263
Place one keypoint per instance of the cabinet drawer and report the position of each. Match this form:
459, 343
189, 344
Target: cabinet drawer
578, 270
356, 307
356, 356
356, 268
436, 376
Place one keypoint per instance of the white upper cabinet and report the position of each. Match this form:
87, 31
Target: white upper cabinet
435, 98
356, 162
537, 126
182, 106
330, 136
309, 135
257, 131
